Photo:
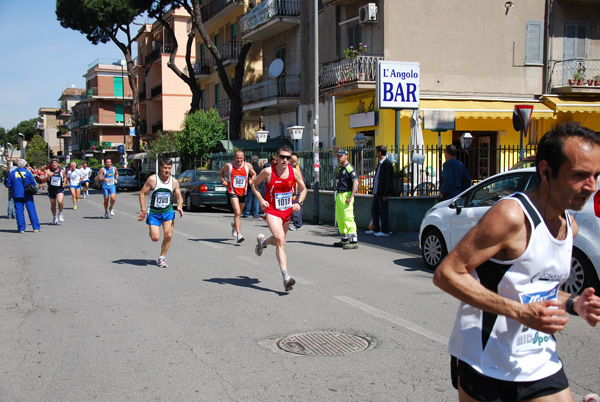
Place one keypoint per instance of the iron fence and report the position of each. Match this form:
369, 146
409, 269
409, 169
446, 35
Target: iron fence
417, 171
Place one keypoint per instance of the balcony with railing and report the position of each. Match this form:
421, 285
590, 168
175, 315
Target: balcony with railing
284, 89
575, 76
201, 68
210, 9
349, 76
270, 18
106, 93
100, 120
223, 108
230, 51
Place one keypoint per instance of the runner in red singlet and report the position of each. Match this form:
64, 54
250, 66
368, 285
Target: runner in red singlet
278, 206
236, 176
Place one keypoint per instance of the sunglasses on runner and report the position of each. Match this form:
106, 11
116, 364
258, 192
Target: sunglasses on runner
288, 157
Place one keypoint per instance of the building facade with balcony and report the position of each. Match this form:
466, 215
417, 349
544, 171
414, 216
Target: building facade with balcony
477, 61
100, 122
164, 97
47, 127
69, 98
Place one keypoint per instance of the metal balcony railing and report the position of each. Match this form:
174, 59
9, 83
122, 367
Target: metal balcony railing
359, 68
214, 7
105, 92
575, 72
267, 10
280, 87
201, 66
223, 108
231, 50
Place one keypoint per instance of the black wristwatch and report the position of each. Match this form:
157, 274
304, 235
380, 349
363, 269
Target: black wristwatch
301, 203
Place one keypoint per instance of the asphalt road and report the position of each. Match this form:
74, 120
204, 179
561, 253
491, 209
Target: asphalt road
88, 316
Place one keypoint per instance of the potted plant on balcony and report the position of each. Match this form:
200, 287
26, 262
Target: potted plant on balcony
596, 79
579, 75
352, 54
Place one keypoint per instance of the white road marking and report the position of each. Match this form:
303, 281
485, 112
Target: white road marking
396, 320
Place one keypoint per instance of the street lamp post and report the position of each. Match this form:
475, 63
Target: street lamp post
261, 138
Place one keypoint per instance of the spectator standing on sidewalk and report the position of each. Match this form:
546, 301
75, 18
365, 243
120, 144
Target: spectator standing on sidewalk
17, 180
382, 190
10, 211
455, 177
346, 186
297, 215
251, 207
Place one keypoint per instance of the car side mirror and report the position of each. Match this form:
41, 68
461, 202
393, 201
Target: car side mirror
459, 204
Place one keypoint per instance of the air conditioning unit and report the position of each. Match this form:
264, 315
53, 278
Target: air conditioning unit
367, 14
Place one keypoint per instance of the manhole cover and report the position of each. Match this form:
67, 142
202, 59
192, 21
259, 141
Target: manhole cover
323, 344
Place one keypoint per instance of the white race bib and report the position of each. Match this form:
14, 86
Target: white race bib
162, 200
283, 201
55, 181
239, 181
528, 339
111, 181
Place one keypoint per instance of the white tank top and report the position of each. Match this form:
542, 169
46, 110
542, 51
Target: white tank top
497, 346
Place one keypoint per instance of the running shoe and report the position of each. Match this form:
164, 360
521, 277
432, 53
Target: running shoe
78, 200
340, 243
106, 215
293, 228
112, 212
233, 230
162, 263
350, 246
75, 207
60, 217
240, 238
369, 232
260, 239
289, 283
382, 234
55, 221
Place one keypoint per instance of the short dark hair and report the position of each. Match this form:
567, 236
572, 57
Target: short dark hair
165, 160
382, 149
285, 148
451, 149
552, 145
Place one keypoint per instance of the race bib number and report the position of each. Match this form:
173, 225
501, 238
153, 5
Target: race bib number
528, 339
55, 181
239, 181
162, 200
111, 181
283, 201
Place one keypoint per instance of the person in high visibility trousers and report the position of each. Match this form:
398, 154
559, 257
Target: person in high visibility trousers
346, 187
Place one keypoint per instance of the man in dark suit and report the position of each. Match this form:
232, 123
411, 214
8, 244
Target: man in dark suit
382, 190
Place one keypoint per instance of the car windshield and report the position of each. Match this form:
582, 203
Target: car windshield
202, 175
126, 172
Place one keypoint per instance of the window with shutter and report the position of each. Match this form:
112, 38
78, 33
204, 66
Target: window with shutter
534, 42
575, 43
354, 35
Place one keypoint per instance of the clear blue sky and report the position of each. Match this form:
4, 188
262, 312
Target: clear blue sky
41, 59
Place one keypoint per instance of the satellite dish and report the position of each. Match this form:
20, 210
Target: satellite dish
276, 68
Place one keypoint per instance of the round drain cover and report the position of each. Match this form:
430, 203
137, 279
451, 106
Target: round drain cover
323, 344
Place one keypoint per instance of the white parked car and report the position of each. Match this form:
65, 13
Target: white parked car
447, 222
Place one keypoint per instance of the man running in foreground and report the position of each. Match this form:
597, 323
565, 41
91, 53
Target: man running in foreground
507, 272
56, 178
160, 212
109, 176
236, 176
277, 204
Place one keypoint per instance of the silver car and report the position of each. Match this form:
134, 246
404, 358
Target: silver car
447, 222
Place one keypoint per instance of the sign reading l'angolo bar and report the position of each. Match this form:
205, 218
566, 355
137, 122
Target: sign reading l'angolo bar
398, 85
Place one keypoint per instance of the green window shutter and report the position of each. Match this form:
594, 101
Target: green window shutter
534, 41
217, 93
118, 86
119, 113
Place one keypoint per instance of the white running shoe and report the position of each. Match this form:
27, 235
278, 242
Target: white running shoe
240, 238
233, 230
162, 263
60, 217
289, 283
112, 212
369, 232
381, 234
55, 221
260, 239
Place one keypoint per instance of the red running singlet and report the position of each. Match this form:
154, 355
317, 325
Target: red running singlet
238, 180
279, 194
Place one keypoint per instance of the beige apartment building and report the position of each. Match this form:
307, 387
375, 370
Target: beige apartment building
101, 121
164, 97
478, 59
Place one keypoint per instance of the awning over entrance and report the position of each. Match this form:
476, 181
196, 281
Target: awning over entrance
573, 104
481, 109
141, 155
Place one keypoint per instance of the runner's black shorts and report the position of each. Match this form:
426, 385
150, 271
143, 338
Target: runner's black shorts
242, 198
487, 389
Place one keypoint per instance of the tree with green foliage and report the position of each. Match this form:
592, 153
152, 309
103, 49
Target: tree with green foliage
101, 21
26, 127
200, 135
37, 151
164, 143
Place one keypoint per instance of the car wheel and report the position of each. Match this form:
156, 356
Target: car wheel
433, 248
189, 207
582, 276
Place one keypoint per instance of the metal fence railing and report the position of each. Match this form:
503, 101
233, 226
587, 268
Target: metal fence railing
417, 171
